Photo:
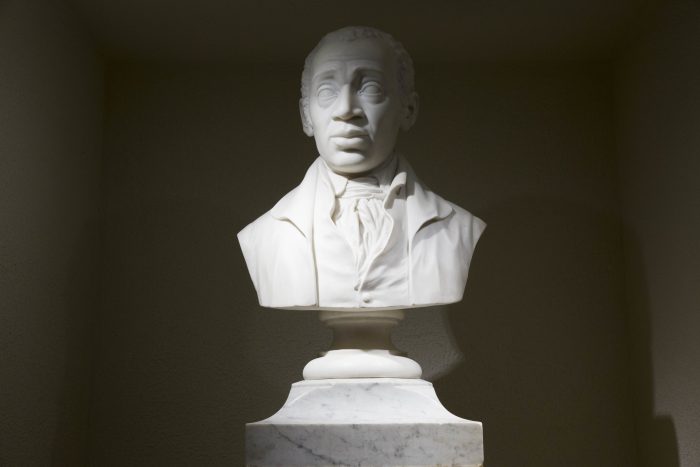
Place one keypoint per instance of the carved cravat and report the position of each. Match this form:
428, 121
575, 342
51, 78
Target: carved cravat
361, 217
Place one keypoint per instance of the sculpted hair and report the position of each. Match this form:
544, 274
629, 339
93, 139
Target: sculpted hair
405, 73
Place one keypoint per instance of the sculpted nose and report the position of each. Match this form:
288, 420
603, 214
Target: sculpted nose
346, 107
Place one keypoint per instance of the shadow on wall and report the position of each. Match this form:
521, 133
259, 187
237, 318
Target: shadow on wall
426, 336
543, 333
656, 434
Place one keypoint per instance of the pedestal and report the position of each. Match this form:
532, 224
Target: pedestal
362, 347
364, 422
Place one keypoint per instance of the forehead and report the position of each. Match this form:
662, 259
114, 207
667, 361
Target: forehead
371, 54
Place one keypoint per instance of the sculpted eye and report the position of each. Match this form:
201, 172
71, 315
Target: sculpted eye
372, 89
325, 93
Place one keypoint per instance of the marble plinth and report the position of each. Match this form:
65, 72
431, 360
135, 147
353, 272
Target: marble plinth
364, 422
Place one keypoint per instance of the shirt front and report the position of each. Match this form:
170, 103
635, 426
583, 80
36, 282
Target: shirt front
365, 268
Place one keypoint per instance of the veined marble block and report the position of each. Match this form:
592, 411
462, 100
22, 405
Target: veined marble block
364, 422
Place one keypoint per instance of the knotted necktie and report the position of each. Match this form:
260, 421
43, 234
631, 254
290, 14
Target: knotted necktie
361, 217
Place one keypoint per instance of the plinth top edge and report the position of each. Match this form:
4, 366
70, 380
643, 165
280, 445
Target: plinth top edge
362, 381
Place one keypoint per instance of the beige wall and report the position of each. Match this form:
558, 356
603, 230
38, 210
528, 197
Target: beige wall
185, 354
50, 127
659, 135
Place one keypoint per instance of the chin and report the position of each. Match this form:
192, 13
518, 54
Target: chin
349, 162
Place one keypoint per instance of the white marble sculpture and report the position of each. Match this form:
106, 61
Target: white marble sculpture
360, 240
361, 231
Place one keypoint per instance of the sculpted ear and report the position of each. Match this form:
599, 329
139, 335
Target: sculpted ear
305, 120
410, 112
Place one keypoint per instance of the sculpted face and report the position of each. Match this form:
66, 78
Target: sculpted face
355, 107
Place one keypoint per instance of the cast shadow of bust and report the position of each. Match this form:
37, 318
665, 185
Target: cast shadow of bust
542, 344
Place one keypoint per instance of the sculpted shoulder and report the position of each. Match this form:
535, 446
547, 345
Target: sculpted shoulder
264, 224
470, 225
458, 220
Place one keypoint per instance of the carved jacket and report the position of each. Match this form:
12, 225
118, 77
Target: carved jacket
278, 248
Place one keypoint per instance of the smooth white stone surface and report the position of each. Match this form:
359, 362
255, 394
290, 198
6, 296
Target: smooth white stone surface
357, 94
356, 363
364, 422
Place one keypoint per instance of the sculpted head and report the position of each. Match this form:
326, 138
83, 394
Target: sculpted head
357, 92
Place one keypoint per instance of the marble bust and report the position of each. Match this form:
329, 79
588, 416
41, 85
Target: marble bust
361, 231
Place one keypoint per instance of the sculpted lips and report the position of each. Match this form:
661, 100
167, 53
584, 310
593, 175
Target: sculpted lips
350, 139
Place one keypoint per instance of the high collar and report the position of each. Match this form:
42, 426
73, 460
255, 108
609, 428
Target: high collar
422, 205
386, 176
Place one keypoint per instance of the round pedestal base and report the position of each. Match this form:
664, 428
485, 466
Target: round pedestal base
362, 347
356, 363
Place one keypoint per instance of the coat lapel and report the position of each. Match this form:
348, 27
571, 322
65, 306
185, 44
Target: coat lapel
297, 206
422, 205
